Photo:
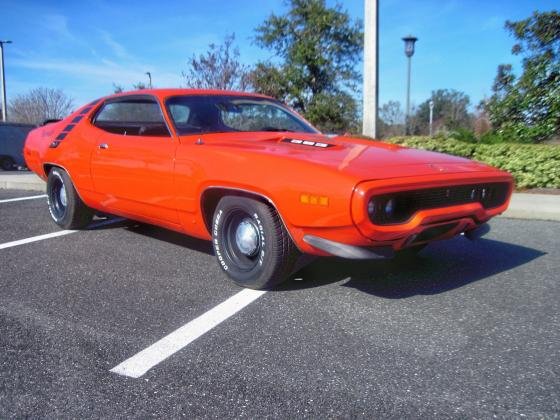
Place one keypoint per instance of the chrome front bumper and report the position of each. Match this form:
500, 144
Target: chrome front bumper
376, 253
349, 251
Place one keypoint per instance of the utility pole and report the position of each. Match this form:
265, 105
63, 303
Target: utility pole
431, 116
3, 77
371, 67
409, 42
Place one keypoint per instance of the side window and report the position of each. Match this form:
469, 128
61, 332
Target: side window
132, 117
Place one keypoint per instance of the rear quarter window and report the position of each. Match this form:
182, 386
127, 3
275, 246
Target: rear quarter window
130, 111
132, 117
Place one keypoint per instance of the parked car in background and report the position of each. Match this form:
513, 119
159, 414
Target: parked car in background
12, 139
251, 175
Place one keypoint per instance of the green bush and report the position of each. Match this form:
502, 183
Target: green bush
462, 134
489, 137
532, 165
493, 137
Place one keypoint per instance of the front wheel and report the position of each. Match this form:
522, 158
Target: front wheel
65, 205
251, 244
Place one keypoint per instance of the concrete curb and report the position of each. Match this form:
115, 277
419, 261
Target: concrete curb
21, 181
534, 206
522, 206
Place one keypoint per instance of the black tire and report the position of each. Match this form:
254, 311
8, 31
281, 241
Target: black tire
7, 163
65, 206
264, 257
410, 253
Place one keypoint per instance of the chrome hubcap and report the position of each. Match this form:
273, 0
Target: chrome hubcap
247, 237
62, 195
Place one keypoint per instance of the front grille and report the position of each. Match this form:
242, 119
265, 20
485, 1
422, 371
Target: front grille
404, 204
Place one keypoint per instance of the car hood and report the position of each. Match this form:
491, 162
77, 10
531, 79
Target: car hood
360, 158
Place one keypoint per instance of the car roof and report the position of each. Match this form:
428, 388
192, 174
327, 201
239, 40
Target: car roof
164, 93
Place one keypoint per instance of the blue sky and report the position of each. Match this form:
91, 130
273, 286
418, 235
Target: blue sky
83, 47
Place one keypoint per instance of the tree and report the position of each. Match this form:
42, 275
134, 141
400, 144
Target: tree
391, 120
117, 88
139, 86
270, 80
527, 108
318, 47
451, 112
333, 112
135, 86
218, 68
40, 104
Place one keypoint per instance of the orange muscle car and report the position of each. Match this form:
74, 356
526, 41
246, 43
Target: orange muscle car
255, 178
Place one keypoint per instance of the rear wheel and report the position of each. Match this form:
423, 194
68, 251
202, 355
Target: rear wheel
7, 163
251, 244
65, 206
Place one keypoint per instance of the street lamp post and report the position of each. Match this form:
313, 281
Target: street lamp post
409, 42
431, 116
3, 77
150, 79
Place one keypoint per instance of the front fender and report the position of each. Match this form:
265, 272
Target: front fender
306, 194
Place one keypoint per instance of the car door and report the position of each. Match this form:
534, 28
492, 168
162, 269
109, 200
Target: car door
132, 163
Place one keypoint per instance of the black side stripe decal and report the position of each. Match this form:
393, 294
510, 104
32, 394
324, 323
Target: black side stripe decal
62, 135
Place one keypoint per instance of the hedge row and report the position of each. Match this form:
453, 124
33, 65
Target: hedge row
532, 166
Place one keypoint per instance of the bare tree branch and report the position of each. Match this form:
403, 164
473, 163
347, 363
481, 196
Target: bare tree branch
219, 68
40, 104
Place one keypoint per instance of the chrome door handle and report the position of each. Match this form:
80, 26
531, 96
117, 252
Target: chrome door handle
103, 146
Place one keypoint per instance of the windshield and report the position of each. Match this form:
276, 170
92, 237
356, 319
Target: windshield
193, 114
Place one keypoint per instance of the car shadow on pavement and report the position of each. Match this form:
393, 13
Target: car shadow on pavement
109, 222
172, 237
441, 267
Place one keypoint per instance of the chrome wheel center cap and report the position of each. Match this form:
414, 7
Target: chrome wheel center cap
247, 237
62, 195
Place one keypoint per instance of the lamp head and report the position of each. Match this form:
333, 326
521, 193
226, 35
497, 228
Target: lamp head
409, 42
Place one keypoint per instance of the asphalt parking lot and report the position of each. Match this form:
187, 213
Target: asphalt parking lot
465, 330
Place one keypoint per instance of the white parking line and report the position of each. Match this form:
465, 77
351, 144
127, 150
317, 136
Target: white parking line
31, 197
56, 234
141, 362
37, 238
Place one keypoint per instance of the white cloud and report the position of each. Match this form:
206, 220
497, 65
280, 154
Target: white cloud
58, 25
105, 72
77, 69
118, 49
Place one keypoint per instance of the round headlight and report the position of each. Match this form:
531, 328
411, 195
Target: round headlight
371, 207
390, 207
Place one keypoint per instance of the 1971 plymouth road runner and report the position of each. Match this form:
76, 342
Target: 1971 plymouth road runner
255, 178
